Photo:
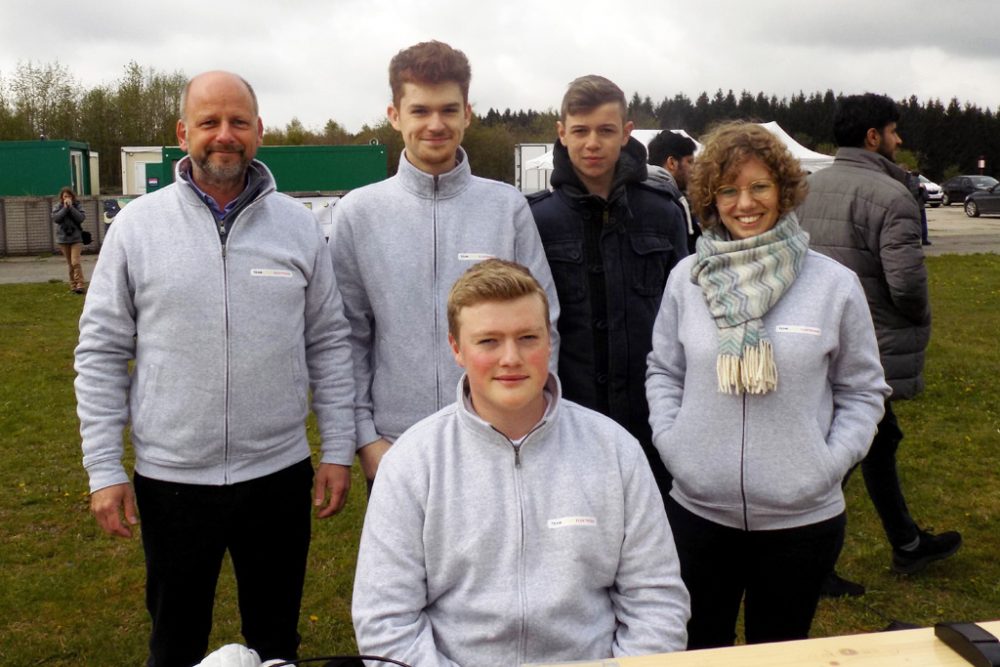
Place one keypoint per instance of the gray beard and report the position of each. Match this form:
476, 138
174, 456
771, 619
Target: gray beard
218, 175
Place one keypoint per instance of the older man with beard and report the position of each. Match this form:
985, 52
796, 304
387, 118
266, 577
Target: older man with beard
222, 293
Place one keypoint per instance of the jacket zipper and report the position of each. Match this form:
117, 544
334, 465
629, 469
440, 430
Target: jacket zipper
743, 447
434, 296
522, 595
224, 244
225, 326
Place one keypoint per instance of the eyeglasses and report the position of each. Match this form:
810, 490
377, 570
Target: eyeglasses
759, 190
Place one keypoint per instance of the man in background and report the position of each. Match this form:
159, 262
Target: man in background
860, 212
671, 156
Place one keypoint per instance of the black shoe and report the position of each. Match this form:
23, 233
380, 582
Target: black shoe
931, 548
835, 586
926, 243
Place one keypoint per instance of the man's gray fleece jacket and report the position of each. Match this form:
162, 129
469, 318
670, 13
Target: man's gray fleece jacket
227, 341
398, 247
480, 553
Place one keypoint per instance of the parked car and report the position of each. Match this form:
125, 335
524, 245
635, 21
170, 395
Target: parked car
983, 201
957, 188
934, 192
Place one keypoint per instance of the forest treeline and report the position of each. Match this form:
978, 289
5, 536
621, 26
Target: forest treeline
141, 108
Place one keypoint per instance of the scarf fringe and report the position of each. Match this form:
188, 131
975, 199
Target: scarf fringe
754, 373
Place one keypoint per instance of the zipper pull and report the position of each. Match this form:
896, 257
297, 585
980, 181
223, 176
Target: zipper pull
517, 456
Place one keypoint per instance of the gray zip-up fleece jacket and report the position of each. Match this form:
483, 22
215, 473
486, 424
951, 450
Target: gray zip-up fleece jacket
861, 212
763, 462
398, 247
480, 553
227, 342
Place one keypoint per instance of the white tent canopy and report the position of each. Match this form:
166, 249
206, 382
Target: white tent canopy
811, 160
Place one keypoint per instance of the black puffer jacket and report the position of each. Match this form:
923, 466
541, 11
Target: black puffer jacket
610, 260
861, 213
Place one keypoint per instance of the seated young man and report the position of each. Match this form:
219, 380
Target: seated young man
513, 526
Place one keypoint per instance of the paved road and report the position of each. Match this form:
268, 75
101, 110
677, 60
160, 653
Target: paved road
951, 232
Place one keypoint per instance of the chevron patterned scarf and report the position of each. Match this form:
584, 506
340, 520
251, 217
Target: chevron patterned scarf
741, 281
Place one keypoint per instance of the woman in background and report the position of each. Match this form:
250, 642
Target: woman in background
764, 389
68, 217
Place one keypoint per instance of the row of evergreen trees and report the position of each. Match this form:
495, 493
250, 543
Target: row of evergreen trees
141, 109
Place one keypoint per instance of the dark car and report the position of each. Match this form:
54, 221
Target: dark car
957, 188
983, 201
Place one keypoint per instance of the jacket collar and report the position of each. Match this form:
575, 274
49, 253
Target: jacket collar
866, 159
264, 180
469, 420
448, 184
630, 168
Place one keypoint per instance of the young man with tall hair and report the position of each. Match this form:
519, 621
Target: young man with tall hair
399, 244
212, 313
514, 526
611, 240
860, 212
671, 156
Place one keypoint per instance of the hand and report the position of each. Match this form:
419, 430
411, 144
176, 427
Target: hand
371, 455
337, 480
107, 505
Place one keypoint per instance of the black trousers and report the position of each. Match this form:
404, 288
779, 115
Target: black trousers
776, 573
882, 482
265, 525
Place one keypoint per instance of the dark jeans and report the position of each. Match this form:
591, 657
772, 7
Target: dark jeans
882, 482
264, 523
776, 573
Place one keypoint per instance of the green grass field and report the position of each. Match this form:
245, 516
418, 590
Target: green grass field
69, 595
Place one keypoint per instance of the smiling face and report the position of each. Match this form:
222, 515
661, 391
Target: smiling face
594, 140
220, 130
504, 347
754, 210
432, 118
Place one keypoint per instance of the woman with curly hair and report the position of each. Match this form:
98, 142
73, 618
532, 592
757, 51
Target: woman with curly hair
764, 388
68, 217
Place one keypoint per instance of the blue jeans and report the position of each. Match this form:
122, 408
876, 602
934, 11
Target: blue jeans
265, 525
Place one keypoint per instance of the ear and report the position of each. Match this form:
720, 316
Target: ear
455, 351
627, 131
393, 113
260, 129
671, 164
182, 135
468, 114
561, 131
873, 138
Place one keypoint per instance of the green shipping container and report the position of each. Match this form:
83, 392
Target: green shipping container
42, 168
304, 169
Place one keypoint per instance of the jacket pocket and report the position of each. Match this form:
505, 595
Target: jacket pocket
651, 263
568, 268
793, 474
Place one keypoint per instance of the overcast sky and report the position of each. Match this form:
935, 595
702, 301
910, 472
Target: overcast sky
318, 59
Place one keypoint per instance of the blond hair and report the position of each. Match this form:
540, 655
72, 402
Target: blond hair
491, 280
